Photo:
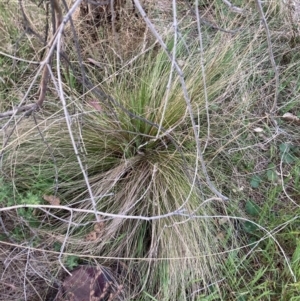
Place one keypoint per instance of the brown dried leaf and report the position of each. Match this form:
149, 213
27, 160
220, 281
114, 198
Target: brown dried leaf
258, 130
181, 63
96, 105
52, 200
220, 236
96, 63
86, 283
92, 236
99, 227
223, 220
291, 117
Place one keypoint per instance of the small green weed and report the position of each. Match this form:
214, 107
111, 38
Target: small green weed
72, 262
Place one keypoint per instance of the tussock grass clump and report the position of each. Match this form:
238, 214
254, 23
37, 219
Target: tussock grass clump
140, 155
135, 138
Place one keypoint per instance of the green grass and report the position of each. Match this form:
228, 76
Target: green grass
139, 152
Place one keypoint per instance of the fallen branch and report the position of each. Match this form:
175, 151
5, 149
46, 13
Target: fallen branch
18, 110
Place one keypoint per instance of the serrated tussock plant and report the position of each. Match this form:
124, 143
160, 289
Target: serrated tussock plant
139, 152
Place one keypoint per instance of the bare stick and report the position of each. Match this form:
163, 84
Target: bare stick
64, 244
275, 69
67, 116
58, 14
17, 110
186, 97
25, 277
233, 7
27, 23
203, 74
113, 25
99, 213
19, 59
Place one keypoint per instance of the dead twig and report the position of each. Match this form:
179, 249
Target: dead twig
57, 44
18, 110
271, 54
91, 211
233, 7
28, 27
202, 60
